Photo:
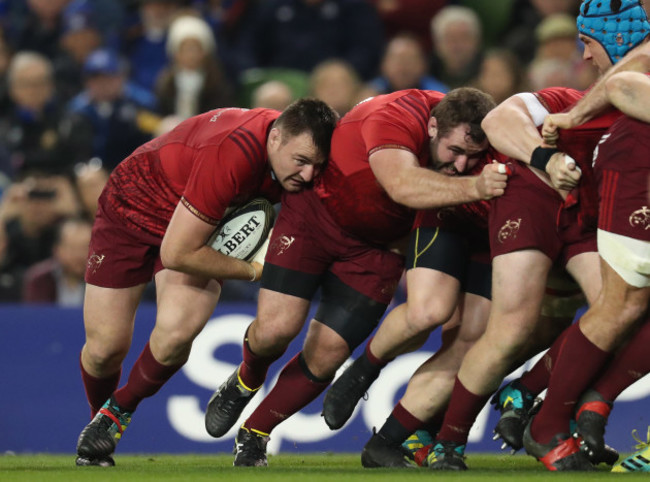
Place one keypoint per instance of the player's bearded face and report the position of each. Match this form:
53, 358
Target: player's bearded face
455, 153
295, 161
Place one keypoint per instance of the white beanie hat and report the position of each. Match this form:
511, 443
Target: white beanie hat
189, 26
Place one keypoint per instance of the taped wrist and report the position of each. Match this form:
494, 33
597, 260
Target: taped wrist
541, 156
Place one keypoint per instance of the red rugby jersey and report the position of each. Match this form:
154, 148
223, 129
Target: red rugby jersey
348, 188
468, 218
579, 143
208, 162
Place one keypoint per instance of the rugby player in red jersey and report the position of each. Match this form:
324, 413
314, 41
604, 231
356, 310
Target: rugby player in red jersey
155, 215
364, 202
621, 173
528, 262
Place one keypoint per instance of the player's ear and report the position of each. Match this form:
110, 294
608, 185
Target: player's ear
275, 138
432, 127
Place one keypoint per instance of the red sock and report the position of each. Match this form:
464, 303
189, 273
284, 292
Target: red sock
536, 379
630, 364
576, 365
373, 359
295, 389
147, 376
98, 390
253, 370
463, 409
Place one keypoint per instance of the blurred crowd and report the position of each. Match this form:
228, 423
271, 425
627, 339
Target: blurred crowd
84, 82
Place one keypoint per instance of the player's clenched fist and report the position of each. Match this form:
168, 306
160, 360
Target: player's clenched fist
552, 124
492, 180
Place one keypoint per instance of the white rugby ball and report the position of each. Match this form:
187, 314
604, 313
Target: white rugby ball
244, 230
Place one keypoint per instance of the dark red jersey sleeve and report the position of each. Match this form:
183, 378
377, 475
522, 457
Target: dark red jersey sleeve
558, 99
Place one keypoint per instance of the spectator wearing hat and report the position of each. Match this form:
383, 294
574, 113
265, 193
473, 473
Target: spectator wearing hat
80, 35
111, 116
525, 17
194, 81
558, 61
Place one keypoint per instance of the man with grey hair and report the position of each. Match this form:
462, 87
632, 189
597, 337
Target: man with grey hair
29, 128
456, 34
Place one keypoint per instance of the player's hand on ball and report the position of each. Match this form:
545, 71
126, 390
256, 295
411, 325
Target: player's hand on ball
563, 171
492, 180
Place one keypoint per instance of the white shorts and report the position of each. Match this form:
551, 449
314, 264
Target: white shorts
629, 257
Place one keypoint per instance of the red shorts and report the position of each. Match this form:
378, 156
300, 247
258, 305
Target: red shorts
622, 171
530, 215
306, 239
120, 257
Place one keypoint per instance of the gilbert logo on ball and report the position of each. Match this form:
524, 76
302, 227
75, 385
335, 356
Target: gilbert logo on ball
242, 232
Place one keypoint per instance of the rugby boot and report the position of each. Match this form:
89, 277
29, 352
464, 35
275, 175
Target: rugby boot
445, 455
420, 456
380, 452
226, 405
99, 438
562, 453
106, 461
415, 443
591, 420
250, 449
516, 405
639, 461
346, 391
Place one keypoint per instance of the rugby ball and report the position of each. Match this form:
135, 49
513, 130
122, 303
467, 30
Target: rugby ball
243, 231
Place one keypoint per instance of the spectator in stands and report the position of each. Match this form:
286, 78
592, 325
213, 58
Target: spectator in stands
525, 17
90, 179
5, 58
404, 66
35, 25
194, 81
228, 19
543, 73
29, 127
60, 278
272, 94
456, 35
80, 35
412, 16
29, 212
336, 82
501, 75
146, 40
557, 38
110, 117
299, 34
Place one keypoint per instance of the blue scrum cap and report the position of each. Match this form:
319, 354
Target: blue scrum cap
618, 25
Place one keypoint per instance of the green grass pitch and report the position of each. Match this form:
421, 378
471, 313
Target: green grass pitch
282, 468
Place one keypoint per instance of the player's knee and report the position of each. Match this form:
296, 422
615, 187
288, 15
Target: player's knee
102, 359
323, 359
423, 318
270, 335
